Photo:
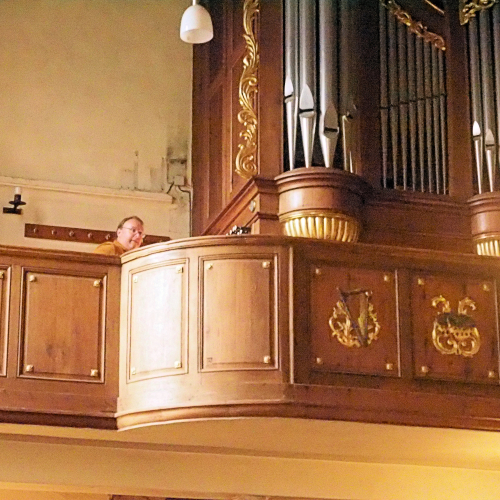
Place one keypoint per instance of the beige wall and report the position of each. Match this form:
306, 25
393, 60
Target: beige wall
95, 93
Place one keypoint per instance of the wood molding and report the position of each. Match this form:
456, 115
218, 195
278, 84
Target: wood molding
239, 212
79, 235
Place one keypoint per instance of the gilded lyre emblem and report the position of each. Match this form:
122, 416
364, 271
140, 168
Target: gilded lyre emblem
455, 333
353, 332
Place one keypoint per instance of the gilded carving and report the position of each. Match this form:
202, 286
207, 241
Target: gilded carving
468, 9
489, 245
415, 27
351, 332
322, 224
246, 165
455, 332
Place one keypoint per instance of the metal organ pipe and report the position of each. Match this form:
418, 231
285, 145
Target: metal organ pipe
328, 119
393, 96
435, 116
307, 65
421, 109
489, 127
403, 100
477, 116
442, 120
291, 89
311, 87
347, 106
412, 98
384, 103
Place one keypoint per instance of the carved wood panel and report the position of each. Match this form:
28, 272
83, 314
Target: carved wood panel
157, 321
353, 320
5, 277
239, 316
62, 326
455, 328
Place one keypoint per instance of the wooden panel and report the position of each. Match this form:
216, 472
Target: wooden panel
431, 361
239, 317
329, 351
215, 154
216, 55
157, 321
62, 326
5, 278
417, 220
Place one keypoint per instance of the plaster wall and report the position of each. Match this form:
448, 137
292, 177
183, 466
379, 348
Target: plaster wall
96, 113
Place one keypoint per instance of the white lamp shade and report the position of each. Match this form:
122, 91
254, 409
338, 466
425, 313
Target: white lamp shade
196, 25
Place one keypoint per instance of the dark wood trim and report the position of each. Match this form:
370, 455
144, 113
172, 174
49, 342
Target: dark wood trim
59, 420
79, 235
460, 159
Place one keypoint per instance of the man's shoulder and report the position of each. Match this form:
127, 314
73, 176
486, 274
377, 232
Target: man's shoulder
109, 248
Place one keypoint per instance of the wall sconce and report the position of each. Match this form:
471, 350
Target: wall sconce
196, 24
16, 202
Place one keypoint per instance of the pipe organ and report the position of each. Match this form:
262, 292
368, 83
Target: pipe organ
398, 103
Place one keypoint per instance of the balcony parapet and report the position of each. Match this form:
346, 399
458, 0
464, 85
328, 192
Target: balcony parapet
59, 315
217, 327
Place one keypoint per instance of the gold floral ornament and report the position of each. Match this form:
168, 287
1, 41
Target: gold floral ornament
415, 27
468, 8
351, 332
246, 165
455, 332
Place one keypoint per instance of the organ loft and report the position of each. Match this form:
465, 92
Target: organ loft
344, 257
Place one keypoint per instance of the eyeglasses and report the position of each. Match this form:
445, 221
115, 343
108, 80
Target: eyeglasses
135, 231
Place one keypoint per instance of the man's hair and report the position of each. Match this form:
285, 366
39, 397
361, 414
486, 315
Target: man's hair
132, 217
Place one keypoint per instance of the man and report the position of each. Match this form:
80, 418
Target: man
129, 235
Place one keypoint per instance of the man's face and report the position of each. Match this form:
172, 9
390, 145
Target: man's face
131, 234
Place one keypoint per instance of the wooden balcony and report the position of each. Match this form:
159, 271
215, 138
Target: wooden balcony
254, 326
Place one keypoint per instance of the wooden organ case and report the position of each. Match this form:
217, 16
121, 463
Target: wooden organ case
357, 142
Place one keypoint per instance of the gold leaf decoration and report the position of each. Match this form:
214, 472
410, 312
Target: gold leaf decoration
455, 333
469, 9
246, 165
351, 332
415, 27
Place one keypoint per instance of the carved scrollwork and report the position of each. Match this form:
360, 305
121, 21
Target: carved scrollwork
455, 333
415, 27
351, 332
246, 165
468, 9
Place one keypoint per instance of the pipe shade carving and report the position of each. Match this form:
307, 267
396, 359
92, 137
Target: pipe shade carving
246, 159
468, 9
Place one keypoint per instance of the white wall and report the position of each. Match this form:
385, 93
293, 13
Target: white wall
94, 94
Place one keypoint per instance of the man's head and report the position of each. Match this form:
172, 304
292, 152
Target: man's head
130, 232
